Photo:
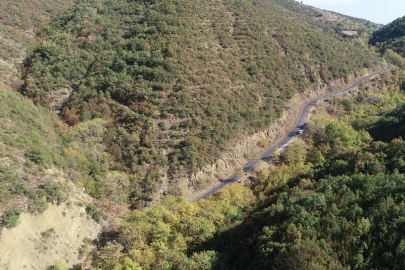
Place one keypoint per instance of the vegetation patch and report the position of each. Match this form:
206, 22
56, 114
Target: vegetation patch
25, 154
10, 218
94, 212
48, 233
39, 156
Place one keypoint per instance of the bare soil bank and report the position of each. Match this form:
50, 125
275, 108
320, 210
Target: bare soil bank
65, 227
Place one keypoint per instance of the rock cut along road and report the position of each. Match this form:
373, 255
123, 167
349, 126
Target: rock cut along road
284, 141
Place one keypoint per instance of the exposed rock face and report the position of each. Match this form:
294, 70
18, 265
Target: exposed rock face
244, 150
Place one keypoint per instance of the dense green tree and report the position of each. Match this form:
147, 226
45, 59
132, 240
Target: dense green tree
391, 36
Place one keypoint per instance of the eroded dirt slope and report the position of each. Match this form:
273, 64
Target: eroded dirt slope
39, 240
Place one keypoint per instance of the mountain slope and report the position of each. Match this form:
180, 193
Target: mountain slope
331, 23
178, 80
333, 200
19, 23
391, 36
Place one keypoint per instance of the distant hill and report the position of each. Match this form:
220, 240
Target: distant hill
330, 22
391, 36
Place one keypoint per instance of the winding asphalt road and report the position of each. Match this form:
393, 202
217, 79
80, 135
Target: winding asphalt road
284, 141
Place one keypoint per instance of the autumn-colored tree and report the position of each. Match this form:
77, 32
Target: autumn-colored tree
324, 75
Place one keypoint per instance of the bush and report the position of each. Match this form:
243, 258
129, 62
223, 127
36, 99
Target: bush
40, 156
92, 210
86, 248
60, 265
47, 233
7, 174
10, 218
54, 192
38, 206
348, 104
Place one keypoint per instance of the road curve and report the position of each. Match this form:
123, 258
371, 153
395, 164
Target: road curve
284, 141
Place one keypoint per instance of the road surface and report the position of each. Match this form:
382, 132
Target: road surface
284, 141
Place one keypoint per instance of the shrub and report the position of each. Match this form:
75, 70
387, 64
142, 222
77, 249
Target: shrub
115, 184
162, 125
348, 104
54, 192
10, 218
92, 210
86, 248
40, 156
47, 233
7, 174
38, 206
60, 265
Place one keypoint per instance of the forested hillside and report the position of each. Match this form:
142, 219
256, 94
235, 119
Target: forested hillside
127, 100
27, 142
19, 23
391, 36
333, 200
175, 82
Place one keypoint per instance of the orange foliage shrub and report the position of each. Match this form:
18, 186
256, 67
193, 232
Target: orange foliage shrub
324, 75
71, 117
